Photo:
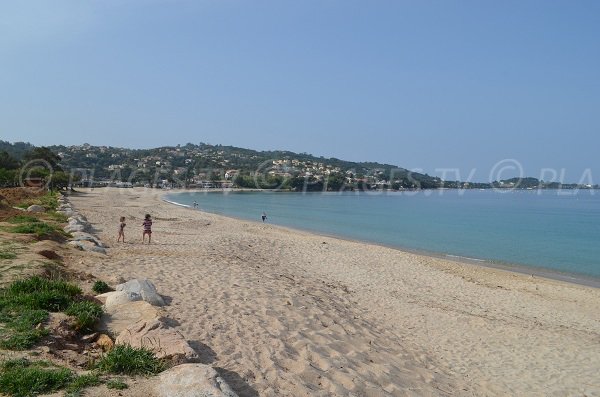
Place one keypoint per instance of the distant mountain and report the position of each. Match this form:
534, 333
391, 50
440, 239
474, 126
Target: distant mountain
205, 165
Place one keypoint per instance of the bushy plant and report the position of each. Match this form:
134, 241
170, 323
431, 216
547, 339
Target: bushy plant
86, 314
101, 287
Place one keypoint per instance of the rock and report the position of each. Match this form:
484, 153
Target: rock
99, 250
115, 298
85, 245
90, 338
105, 342
143, 287
83, 236
74, 227
192, 380
165, 342
76, 244
119, 317
36, 208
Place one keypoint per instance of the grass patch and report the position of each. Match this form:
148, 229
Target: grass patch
17, 219
81, 382
116, 384
40, 229
101, 287
57, 217
22, 378
20, 330
127, 360
86, 314
49, 201
7, 255
25, 303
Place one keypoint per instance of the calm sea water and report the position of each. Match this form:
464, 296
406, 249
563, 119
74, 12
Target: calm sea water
547, 229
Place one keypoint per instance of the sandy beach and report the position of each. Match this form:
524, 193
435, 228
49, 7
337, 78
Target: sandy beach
281, 312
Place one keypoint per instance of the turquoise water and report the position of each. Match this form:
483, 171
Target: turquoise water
556, 230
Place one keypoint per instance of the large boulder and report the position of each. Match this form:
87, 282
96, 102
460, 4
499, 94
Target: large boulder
118, 318
144, 288
165, 342
192, 380
35, 208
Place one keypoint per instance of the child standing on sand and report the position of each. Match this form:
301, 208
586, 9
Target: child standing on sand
147, 229
121, 229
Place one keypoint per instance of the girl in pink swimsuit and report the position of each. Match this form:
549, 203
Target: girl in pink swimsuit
147, 229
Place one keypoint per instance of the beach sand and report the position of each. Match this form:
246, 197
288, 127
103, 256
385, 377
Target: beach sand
281, 312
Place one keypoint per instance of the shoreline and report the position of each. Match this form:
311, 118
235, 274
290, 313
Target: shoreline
534, 271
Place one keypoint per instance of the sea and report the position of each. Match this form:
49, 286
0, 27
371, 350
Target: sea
555, 233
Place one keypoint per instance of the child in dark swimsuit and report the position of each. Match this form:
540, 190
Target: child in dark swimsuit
147, 229
121, 229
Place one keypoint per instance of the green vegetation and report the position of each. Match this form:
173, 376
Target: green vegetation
116, 384
127, 360
57, 217
24, 378
81, 382
38, 228
18, 219
25, 304
7, 255
101, 287
86, 314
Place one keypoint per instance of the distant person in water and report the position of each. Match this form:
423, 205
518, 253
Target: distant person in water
147, 228
195, 204
264, 216
121, 229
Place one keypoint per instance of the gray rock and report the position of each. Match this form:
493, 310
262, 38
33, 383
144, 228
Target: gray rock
116, 298
192, 380
143, 287
85, 245
74, 227
99, 250
165, 342
83, 236
35, 208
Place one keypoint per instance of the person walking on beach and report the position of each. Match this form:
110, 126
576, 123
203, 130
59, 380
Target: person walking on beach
264, 216
147, 228
121, 229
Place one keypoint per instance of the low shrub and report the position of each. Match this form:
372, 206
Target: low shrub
101, 287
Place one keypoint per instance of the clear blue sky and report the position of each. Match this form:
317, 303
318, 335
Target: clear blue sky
420, 84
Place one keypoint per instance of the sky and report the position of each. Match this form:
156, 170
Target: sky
469, 90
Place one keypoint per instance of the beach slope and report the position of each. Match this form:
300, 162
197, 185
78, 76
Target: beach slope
280, 312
